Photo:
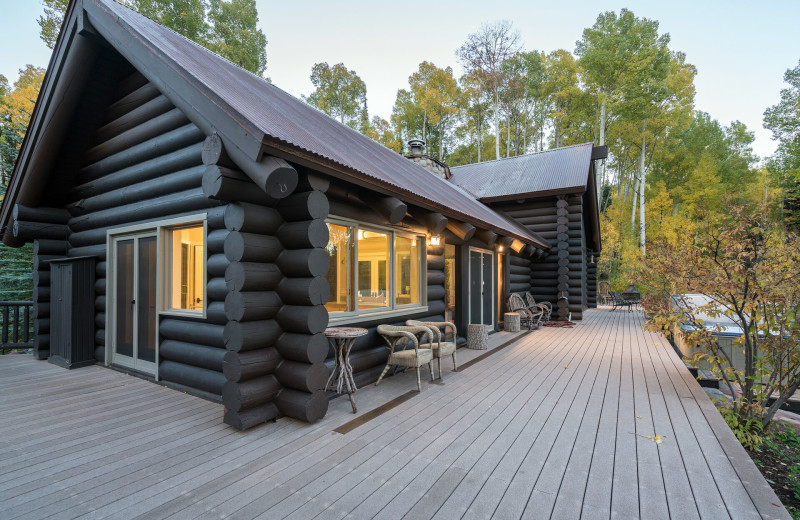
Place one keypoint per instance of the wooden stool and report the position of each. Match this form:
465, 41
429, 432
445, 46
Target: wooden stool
511, 322
478, 336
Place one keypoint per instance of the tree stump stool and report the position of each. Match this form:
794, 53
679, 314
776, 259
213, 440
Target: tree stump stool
478, 336
511, 322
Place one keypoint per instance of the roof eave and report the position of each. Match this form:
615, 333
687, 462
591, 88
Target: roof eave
55, 102
534, 194
309, 159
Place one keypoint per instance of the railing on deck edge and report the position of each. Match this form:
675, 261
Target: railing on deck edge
16, 324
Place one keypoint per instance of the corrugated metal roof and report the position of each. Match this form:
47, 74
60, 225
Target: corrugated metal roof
263, 108
560, 170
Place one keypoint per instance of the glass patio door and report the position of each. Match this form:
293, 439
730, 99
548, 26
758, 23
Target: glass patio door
133, 309
481, 286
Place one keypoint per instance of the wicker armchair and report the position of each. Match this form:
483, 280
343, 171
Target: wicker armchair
441, 347
527, 317
545, 307
406, 358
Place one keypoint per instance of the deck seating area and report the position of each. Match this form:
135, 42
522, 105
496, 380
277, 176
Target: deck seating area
557, 424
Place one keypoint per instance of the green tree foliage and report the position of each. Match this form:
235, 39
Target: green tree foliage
186, 17
234, 34
50, 22
16, 107
381, 130
341, 94
429, 108
783, 120
228, 28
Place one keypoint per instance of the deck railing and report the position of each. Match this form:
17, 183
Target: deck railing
16, 325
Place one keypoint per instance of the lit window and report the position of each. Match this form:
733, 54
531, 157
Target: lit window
340, 256
407, 275
373, 269
185, 260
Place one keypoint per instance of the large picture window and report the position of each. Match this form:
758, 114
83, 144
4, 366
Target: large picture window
373, 269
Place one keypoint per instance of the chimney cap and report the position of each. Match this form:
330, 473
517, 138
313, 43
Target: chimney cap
416, 146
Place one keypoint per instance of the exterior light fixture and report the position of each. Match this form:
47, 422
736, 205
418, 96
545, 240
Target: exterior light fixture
591, 261
435, 240
500, 249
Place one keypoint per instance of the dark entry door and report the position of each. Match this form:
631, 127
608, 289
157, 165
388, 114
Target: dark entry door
133, 332
481, 286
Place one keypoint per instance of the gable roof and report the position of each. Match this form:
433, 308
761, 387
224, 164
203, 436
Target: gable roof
257, 117
551, 172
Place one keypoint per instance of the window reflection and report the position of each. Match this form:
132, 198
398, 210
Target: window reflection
373, 269
407, 275
340, 258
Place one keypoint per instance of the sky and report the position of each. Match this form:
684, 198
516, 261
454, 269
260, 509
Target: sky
741, 49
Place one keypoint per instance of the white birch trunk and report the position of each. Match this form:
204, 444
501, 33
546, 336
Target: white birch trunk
635, 191
642, 237
600, 173
497, 124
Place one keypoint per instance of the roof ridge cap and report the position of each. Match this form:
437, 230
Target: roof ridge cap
526, 154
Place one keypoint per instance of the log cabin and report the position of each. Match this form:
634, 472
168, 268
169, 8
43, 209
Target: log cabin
195, 225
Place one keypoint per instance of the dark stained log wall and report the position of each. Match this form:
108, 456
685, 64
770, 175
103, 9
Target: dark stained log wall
562, 270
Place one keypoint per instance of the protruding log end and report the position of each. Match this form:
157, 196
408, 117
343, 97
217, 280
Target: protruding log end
302, 376
302, 405
214, 152
305, 348
390, 208
305, 206
251, 335
304, 262
463, 230
304, 291
486, 236
278, 178
303, 319
246, 419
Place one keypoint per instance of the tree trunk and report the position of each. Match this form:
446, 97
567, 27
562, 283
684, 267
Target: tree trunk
633, 206
601, 172
497, 123
642, 236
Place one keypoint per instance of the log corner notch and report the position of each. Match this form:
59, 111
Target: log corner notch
274, 175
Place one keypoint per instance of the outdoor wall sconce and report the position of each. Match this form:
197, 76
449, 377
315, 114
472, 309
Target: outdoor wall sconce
435, 240
591, 260
500, 248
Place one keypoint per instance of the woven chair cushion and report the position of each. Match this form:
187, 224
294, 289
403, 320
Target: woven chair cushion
408, 358
444, 349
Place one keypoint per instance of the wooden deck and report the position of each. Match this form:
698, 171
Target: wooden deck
557, 425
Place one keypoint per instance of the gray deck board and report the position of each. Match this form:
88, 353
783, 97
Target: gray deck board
554, 426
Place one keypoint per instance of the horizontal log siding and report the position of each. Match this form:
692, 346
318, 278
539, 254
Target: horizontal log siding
145, 165
560, 221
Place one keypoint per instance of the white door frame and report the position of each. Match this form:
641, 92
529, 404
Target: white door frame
112, 357
483, 252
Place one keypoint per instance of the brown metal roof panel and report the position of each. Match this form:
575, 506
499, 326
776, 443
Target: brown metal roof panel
269, 113
557, 170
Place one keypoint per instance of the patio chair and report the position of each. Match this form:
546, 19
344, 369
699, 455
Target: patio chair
545, 307
620, 301
406, 358
527, 317
603, 293
441, 347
